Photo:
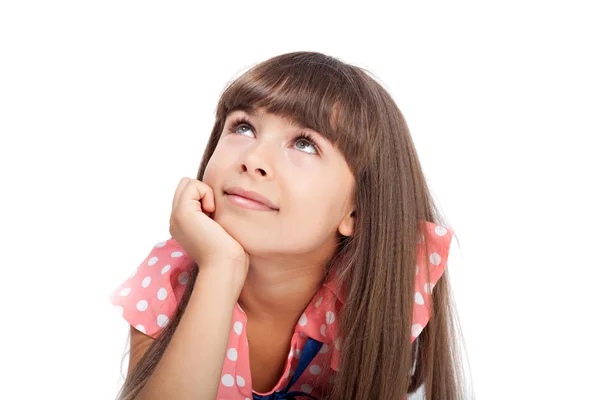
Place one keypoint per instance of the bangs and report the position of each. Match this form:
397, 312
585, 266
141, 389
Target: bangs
309, 93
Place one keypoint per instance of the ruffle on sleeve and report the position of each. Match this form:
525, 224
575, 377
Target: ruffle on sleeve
439, 239
150, 296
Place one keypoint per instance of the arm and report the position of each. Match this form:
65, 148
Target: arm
191, 365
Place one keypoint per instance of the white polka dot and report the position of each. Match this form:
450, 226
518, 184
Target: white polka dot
227, 380
183, 278
119, 310
417, 273
318, 303
161, 244
306, 388
162, 293
329, 317
440, 230
428, 287
162, 320
303, 320
165, 269
291, 354
240, 381
297, 353
435, 258
142, 305
176, 254
416, 330
421, 238
419, 298
125, 291
302, 334
290, 372
232, 354
315, 369
140, 328
237, 327
146, 282
322, 329
324, 348
338, 343
153, 260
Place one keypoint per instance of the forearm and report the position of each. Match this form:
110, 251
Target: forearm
191, 365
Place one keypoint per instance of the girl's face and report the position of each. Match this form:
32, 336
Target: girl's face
307, 180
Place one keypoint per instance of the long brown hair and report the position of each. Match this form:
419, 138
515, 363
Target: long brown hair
377, 264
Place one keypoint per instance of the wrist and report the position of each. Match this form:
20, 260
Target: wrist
223, 279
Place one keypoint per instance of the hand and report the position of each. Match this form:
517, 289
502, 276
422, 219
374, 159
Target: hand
200, 236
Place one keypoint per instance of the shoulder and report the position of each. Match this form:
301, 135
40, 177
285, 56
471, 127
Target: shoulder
149, 297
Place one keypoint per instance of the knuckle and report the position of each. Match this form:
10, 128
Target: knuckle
205, 187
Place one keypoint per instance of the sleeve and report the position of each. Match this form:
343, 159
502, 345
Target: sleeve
439, 240
148, 298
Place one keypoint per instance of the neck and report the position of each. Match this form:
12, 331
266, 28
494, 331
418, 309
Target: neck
278, 291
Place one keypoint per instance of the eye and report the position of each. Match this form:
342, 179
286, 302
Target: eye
307, 138
235, 124
303, 137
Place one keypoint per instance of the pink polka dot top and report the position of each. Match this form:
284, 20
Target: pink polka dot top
148, 298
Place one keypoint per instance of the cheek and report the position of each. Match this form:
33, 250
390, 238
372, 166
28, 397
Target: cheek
299, 160
216, 164
316, 210
311, 204
305, 226
211, 173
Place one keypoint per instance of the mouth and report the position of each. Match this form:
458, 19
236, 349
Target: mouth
239, 199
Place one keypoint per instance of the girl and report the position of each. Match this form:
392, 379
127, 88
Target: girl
304, 260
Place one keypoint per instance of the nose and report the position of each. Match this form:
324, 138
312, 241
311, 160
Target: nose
259, 160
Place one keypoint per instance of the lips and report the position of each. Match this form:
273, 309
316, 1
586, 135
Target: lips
254, 196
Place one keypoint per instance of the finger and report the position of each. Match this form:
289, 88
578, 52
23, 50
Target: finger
208, 201
203, 193
179, 190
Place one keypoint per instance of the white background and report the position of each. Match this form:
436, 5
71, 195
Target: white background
105, 105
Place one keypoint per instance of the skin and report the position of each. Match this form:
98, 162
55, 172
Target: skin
288, 252
288, 248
